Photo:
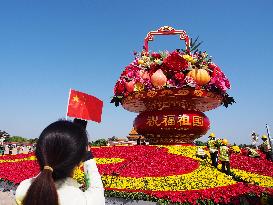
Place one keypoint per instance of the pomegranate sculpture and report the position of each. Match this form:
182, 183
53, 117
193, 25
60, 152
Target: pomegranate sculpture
171, 90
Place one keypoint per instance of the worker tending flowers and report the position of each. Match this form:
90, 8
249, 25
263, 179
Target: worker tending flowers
224, 157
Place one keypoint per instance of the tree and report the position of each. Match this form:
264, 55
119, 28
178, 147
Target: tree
114, 138
199, 143
32, 141
16, 139
99, 142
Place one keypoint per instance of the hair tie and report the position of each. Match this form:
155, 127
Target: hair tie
48, 168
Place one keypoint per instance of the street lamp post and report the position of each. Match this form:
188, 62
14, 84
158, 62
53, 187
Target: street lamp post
268, 135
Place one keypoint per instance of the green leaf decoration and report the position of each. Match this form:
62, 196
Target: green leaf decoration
193, 43
196, 46
116, 100
227, 100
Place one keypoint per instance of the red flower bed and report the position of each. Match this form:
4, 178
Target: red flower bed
18, 171
18, 156
225, 194
153, 161
255, 165
144, 161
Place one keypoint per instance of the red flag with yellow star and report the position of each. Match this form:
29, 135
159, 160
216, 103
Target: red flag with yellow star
84, 106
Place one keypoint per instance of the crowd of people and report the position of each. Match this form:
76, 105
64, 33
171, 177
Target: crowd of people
9, 148
219, 150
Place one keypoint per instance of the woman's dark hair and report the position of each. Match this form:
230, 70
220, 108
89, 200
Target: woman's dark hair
62, 146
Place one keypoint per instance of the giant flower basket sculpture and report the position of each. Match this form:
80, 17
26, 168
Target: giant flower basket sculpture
171, 90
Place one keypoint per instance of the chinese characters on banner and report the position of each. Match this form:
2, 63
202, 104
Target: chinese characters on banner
173, 120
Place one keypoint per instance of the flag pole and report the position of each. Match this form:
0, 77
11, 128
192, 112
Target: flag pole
268, 135
67, 104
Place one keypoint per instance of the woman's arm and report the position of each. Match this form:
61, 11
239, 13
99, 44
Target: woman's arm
95, 190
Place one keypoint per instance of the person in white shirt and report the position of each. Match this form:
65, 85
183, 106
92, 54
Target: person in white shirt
2, 139
60, 148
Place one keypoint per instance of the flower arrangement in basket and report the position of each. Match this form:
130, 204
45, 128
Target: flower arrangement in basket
181, 68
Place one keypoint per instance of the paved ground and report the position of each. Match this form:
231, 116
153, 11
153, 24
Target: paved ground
119, 201
6, 198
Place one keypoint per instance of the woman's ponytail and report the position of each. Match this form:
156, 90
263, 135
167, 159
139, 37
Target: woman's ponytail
42, 190
61, 146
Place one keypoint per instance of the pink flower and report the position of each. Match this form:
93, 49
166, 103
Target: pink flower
179, 77
190, 81
219, 80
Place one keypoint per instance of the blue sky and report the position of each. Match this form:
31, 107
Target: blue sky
48, 47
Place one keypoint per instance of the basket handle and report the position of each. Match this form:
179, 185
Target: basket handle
166, 30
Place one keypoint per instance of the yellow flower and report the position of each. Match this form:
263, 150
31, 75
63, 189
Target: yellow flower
145, 58
189, 58
140, 62
31, 158
139, 87
78, 174
252, 178
235, 149
108, 160
158, 61
202, 178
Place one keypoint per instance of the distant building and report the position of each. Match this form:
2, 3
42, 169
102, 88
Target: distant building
120, 141
133, 135
131, 139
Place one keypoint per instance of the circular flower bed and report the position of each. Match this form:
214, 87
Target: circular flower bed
165, 174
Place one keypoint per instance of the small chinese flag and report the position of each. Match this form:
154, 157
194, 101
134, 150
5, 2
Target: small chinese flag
84, 106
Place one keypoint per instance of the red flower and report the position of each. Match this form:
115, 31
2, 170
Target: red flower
154, 67
216, 71
156, 55
18, 171
153, 162
175, 62
179, 76
255, 165
119, 88
125, 72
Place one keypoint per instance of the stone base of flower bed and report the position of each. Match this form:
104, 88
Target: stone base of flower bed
7, 186
121, 201
6, 198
